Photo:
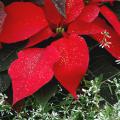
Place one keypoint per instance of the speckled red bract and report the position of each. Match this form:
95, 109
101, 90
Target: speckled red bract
23, 20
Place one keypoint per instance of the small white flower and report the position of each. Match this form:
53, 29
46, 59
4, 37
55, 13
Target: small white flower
117, 61
105, 43
106, 34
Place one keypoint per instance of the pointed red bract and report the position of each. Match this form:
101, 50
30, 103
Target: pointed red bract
89, 13
73, 9
32, 70
51, 12
73, 64
84, 28
23, 20
40, 36
111, 17
114, 47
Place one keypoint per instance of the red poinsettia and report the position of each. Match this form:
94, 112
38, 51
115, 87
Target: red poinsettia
67, 58
68, 65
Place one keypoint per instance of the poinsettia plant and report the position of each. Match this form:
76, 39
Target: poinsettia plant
65, 23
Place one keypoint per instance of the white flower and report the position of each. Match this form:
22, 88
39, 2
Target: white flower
117, 61
105, 42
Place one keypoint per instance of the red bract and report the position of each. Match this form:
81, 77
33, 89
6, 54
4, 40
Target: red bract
73, 10
108, 39
78, 18
32, 70
111, 17
109, 14
83, 24
35, 67
39, 37
23, 20
73, 64
89, 13
84, 28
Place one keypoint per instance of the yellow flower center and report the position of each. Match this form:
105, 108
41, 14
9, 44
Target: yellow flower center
60, 30
86, 1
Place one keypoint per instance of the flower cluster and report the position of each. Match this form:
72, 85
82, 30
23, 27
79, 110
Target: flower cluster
67, 58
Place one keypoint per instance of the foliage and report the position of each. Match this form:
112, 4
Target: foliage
90, 105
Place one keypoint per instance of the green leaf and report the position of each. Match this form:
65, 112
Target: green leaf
44, 94
116, 8
4, 81
102, 65
38, 2
8, 54
60, 5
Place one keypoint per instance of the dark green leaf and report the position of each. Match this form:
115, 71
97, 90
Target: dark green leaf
38, 2
60, 5
44, 94
9, 54
102, 65
116, 9
4, 81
